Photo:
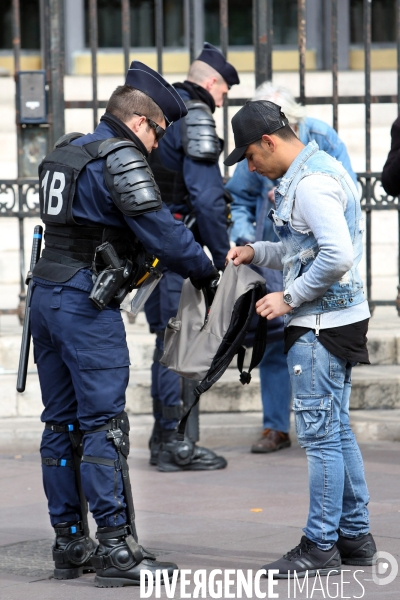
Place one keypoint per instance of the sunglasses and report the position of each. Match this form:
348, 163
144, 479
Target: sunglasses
158, 130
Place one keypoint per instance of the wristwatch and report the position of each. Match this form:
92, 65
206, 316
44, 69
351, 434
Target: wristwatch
287, 298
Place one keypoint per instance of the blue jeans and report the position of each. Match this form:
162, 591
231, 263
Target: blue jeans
321, 385
275, 388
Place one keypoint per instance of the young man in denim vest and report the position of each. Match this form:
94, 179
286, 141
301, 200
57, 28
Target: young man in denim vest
318, 221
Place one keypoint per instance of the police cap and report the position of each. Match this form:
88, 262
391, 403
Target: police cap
141, 77
213, 57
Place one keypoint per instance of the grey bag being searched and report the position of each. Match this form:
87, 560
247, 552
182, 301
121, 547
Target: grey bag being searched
200, 344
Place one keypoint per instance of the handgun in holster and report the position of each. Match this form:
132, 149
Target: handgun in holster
113, 283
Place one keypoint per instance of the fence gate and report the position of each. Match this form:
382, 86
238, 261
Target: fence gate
19, 199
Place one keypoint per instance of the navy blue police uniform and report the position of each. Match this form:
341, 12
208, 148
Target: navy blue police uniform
81, 352
185, 166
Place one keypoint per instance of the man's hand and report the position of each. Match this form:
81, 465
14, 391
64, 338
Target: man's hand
272, 305
240, 255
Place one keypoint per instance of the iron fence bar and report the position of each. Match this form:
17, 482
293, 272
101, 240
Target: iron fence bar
255, 41
262, 12
22, 273
17, 67
192, 40
398, 54
319, 100
334, 41
126, 32
93, 40
398, 264
223, 20
301, 24
398, 112
159, 18
45, 23
270, 38
367, 69
84, 103
16, 35
56, 45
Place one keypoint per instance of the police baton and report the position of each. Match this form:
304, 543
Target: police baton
26, 331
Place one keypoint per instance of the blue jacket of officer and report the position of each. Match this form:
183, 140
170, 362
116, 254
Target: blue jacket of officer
204, 188
160, 234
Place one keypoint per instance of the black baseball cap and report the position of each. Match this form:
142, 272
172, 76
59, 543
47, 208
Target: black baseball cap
251, 122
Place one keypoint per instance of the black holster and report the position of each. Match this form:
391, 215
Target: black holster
113, 283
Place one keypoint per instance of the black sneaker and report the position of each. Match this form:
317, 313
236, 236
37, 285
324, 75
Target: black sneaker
357, 551
306, 558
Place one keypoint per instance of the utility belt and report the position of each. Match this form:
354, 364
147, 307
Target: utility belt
117, 259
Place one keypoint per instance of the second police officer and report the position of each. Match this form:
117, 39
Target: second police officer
186, 169
105, 225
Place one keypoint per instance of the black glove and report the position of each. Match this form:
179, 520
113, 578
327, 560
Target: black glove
209, 284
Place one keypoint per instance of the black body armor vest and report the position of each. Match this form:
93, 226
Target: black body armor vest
69, 246
171, 183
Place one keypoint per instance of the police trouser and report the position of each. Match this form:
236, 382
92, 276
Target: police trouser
83, 366
167, 388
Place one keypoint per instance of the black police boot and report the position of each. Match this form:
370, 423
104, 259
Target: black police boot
186, 456
72, 551
155, 443
115, 564
357, 551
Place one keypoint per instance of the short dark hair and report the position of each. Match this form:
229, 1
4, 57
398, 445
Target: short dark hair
127, 100
286, 133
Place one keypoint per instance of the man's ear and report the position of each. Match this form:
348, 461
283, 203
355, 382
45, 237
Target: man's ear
209, 84
268, 142
134, 123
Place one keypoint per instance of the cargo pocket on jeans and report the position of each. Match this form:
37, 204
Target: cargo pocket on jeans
313, 416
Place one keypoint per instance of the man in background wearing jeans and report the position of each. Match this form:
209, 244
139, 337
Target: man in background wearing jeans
319, 224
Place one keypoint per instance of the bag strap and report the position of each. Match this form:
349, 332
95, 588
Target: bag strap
260, 343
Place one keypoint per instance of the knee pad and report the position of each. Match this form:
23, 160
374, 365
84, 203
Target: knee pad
118, 432
75, 438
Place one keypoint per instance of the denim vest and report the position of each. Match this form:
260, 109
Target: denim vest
301, 249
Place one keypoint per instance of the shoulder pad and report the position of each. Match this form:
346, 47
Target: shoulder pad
199, 137
67, 139
112, 144
130, 180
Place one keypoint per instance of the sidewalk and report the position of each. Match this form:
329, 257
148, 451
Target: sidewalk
199, 520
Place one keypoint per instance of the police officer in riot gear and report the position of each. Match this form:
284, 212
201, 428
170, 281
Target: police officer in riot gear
98, 198
186, 169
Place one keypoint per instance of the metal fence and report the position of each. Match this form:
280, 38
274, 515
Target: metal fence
17, 197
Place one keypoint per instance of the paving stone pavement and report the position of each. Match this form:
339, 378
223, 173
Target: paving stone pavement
201, 521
